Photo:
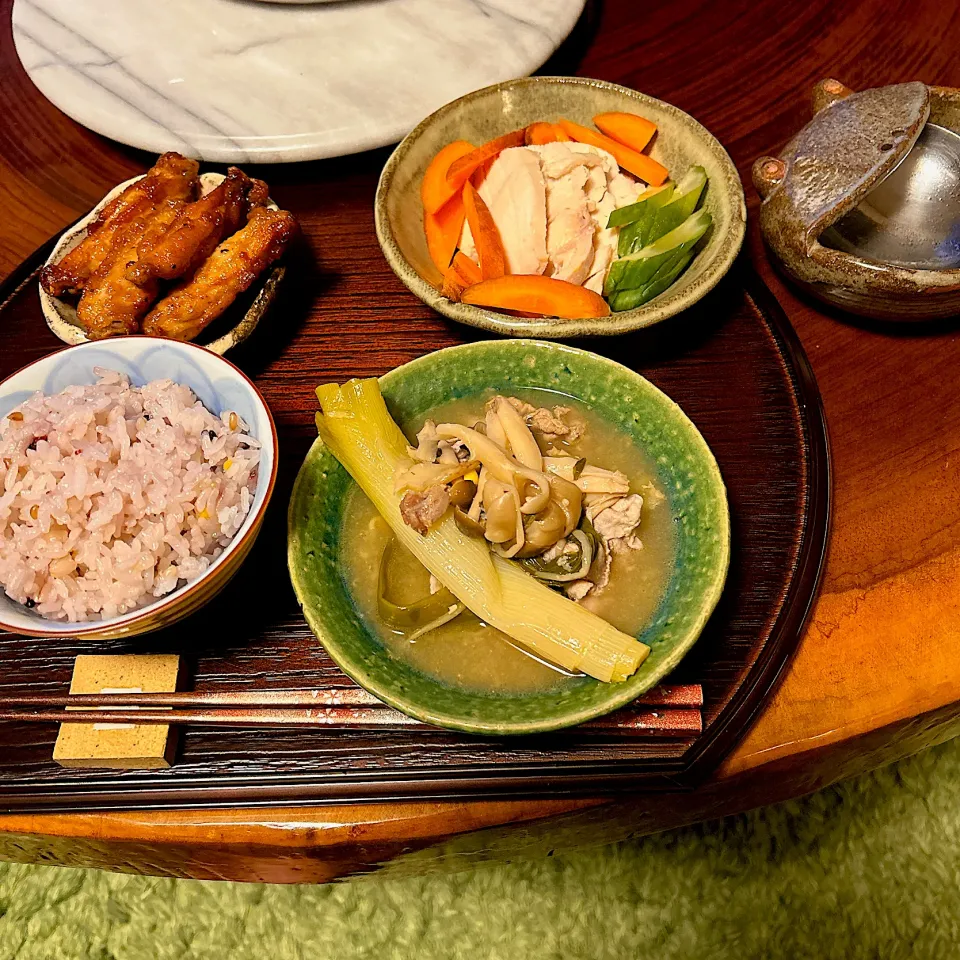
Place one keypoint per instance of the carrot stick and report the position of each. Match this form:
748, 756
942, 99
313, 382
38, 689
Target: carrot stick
462, 273
443, 230
461, 169
630, 129
469, 270
486, 237
539, 295
434, 190
542, 132
639, 164
480, 174
453, 285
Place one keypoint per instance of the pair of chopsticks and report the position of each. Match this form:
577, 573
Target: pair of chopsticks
664, 711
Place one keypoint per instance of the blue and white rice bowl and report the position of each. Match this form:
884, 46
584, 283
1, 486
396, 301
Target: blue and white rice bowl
202, 440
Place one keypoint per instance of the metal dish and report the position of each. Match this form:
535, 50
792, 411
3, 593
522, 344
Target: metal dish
912, 218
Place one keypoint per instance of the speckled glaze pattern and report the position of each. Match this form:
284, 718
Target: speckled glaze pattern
61, 316
851, 144
687, 473
220, 386
492, 111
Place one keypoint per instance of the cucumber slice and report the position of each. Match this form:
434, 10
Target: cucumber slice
665, 218
649, 200
664, 277
639, 277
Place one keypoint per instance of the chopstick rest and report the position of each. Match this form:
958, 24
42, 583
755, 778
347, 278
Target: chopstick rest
121, 746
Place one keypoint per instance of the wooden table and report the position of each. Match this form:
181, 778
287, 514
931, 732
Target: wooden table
877, 676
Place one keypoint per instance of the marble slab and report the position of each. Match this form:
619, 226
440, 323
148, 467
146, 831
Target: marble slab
240, 81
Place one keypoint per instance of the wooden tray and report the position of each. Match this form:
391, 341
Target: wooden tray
734, 365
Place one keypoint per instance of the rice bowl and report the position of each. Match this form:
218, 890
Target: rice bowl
133, 482
114, 494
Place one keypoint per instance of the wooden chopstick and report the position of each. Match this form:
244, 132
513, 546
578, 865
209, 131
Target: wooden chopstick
663, 722
685, 695
675, 710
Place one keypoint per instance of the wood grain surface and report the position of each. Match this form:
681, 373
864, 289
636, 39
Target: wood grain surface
732, 364
878, 673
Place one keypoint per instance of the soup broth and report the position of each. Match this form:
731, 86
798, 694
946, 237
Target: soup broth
466, 652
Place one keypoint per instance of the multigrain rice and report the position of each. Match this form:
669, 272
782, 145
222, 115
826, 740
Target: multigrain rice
113, 495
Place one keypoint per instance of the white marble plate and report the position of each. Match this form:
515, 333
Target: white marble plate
240, 82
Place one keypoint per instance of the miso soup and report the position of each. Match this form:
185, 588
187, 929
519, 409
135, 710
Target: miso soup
467, 653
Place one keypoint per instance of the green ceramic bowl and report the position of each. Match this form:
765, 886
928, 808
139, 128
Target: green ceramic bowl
680, 143
688, 474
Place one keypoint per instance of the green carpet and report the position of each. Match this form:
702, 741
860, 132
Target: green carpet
866, 869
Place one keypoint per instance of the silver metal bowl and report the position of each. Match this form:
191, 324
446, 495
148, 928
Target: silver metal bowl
912, 218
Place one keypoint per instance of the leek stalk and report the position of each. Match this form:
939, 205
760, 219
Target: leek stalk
358, 430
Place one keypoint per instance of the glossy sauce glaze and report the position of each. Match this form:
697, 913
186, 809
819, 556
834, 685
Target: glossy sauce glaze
466, 652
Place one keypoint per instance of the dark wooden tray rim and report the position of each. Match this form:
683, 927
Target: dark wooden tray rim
681, 767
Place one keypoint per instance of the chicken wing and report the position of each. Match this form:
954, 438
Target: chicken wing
112, 304
172, 177
229, 270
196, 231
258, 194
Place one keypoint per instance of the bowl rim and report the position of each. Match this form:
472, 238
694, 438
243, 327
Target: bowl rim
73, 335
251, 522
520, 327
627, 694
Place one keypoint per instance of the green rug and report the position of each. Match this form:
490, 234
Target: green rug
867, 869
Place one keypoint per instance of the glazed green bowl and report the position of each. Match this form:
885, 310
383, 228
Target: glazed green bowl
687, 473
680, 143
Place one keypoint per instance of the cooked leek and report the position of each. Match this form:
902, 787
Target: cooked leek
357, 428
574, 565
421, 616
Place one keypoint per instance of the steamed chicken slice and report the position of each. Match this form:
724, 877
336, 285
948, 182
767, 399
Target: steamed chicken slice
604, 242
561, 158
584, 185
569, 226
621, 192
514, 191
551, 203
